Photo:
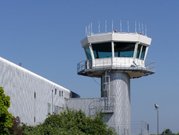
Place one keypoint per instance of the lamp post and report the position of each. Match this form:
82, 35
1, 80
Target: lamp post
157, 109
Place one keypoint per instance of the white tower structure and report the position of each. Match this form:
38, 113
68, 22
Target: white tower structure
115, 57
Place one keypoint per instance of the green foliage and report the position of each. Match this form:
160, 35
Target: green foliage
17, 127
168, 132
5, 116
70, 123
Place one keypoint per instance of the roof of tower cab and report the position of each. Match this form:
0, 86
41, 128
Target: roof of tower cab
116, 36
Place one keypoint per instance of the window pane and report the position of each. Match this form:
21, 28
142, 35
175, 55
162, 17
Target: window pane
55, 91
102, 50
122, 49
88, 54
138, 51
49, 108
143, 52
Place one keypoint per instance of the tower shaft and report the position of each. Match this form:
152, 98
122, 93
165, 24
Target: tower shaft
116, 88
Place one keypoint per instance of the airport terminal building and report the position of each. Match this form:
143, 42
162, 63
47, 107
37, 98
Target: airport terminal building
32, 96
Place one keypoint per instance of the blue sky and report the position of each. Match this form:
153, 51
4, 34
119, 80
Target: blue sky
45, 37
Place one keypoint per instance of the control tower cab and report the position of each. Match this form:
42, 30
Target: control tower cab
116, 57
125, 52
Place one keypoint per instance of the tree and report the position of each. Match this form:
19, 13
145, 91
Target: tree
168, 132
5, 116
71, 122
17, 127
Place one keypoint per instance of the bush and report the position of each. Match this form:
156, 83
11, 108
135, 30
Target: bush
70, 122
5, 116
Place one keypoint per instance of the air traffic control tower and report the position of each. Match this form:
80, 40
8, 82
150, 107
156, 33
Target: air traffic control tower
116, 57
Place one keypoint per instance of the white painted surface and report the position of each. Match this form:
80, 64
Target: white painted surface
116, 62
118, 36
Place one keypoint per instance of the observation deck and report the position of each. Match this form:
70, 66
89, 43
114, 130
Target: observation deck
86, 68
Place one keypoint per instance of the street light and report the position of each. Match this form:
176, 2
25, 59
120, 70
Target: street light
157, 108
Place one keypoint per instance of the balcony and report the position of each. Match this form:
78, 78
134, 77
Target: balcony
96, 68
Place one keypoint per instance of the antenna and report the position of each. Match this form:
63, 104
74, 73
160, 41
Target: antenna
123, 26
139, 28
128, 26
145, 29
135, 27
120, 26
105, 26
142, 28
86, 30
91, 28
112, 26
99, 26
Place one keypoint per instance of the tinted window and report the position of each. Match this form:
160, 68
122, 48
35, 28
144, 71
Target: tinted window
102, 50
138, 51
88, 54
122, 49
143, 52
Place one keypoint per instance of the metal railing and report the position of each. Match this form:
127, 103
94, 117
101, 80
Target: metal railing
127, 64
103, 105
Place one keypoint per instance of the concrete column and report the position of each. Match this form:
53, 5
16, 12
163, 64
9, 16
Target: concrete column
120, 119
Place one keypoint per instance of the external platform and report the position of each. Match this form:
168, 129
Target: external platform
85, 68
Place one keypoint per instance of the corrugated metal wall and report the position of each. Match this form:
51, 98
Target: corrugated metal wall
31, 95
